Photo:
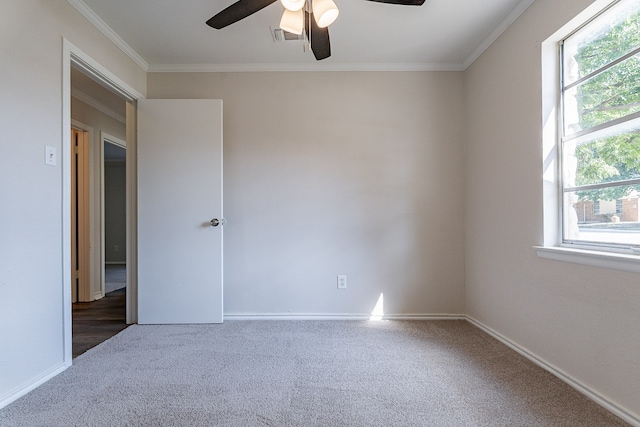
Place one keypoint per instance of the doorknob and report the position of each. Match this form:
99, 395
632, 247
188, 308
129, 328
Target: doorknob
216, 222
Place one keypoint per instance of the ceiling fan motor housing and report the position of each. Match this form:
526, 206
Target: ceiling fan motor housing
321, 15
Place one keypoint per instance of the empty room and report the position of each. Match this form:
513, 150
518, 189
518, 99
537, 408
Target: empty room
358, 213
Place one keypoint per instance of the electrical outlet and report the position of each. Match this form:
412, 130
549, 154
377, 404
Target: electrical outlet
115, 248
342, 281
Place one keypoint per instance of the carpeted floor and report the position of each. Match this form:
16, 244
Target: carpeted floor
305, 373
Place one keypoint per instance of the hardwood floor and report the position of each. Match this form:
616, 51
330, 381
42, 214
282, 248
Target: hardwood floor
97, 321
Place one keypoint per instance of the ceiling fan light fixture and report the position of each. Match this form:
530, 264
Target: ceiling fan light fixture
325, 12
293, 5
292, 22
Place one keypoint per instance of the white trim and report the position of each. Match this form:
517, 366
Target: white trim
338, 316
105, 137
91, 101
132, 213
552, 206
71, 54
213, 68
230, 68
611, 260
108, 31
96, 71
94, 250
67, 48
506, 23
17, 393
423, 317
619, 411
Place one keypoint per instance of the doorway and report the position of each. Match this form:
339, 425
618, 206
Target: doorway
98, 212
74, 57
114, 217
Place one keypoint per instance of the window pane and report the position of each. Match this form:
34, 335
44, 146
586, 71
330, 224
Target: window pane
610, 36
592, 216
601, 124
607, 96
610, 159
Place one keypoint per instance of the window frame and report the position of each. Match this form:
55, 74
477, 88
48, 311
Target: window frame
593, 131
551, 244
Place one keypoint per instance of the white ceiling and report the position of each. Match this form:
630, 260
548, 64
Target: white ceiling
172, 35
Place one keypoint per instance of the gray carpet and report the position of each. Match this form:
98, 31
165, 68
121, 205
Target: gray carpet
305, 373
115, 277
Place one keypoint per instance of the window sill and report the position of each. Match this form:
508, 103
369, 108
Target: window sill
614, 261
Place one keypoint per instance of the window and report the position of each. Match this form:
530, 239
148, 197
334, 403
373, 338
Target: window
600, 130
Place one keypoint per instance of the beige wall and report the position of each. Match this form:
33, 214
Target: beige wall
97, 120
582, 320
338, 173
361, 174
31, 286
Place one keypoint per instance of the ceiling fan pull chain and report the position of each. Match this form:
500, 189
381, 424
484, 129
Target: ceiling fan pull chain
309, 23
304, 30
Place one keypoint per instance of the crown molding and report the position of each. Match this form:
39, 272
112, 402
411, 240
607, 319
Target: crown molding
506, 23
230, 68
91, 101
107, 31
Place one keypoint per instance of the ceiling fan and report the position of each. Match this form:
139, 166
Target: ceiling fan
309, 16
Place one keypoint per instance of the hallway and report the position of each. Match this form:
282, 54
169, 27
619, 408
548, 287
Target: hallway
97, 321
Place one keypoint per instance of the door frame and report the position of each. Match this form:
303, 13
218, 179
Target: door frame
72, 55
90, 276
105, 138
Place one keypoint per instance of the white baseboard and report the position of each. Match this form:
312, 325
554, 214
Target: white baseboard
424, 317
619, 411
17, 393
339, 316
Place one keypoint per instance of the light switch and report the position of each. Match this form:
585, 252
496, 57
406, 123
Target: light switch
50, 155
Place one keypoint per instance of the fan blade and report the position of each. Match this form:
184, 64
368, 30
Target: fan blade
320, 43
237, 11
402, 2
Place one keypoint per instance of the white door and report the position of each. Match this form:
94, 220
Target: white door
179, 194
